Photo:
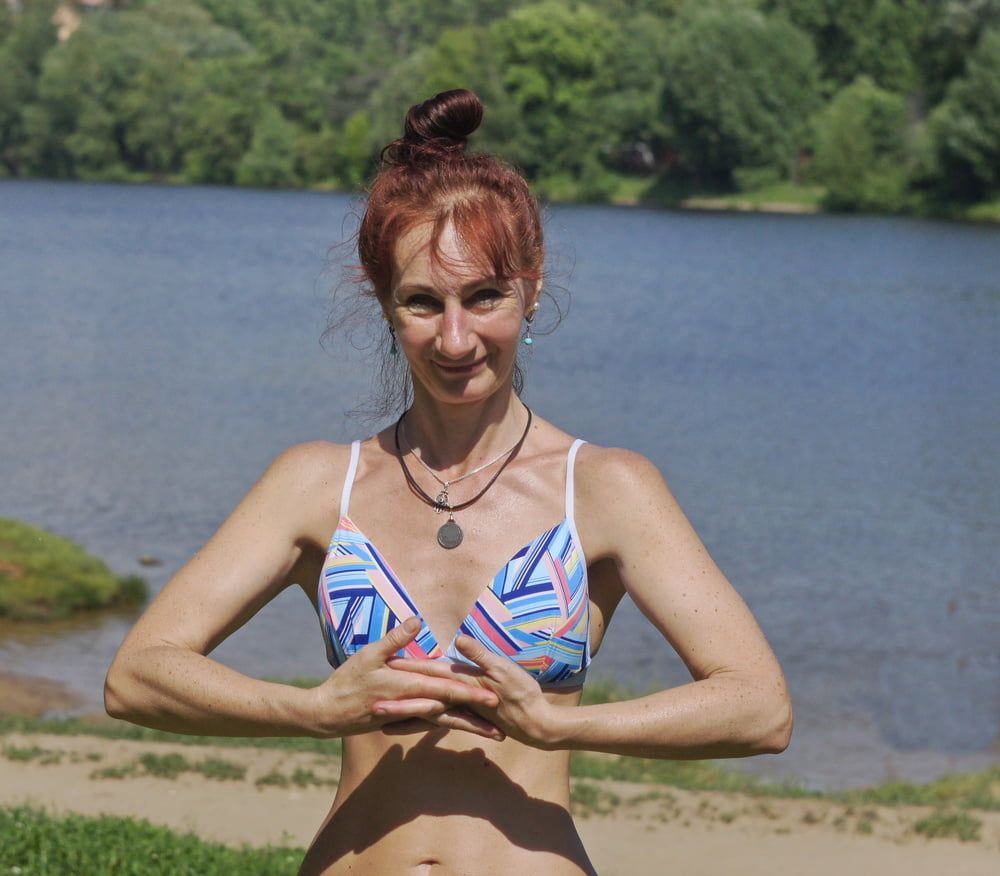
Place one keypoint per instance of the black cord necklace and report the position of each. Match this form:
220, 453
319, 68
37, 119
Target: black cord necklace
450, 534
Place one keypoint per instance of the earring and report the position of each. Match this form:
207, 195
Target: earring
528, 340
393, 348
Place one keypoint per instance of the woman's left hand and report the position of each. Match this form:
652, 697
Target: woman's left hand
523, 712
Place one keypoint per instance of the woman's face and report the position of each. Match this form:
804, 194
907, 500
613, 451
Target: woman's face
458, 329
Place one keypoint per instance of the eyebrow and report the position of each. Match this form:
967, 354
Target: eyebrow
419, 287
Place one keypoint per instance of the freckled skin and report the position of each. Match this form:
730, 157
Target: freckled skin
420, 793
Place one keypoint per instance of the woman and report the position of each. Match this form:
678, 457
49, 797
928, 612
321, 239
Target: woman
458, 763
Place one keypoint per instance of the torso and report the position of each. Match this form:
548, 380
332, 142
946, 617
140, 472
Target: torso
445, 802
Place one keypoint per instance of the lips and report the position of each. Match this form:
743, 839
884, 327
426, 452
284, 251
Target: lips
458, 370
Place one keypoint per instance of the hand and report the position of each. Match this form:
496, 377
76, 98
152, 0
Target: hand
367, 693
521, 712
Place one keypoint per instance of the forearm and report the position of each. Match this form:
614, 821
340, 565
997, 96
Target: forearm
716, 717
175, 689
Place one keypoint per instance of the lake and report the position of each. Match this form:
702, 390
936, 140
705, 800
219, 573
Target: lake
822, 394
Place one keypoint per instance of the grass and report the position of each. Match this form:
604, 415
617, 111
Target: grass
960, 825
32, 842
589, 799
961, 791
45, 577
170, 766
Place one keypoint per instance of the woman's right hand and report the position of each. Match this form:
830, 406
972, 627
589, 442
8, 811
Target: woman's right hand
348, 702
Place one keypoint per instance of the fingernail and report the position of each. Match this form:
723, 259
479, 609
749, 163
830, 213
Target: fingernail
411, 625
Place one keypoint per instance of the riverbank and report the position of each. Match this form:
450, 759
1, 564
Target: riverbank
253, 796
274, 792
44, 576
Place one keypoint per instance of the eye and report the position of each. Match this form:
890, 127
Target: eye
421, 302
487, 296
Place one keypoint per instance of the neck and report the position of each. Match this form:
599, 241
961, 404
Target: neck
454, 438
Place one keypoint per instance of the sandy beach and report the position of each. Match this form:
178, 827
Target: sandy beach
257, 796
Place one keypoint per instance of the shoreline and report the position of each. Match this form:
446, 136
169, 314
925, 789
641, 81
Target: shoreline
251, 796
987, 213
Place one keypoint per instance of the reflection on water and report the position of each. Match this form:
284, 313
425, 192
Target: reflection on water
819, 391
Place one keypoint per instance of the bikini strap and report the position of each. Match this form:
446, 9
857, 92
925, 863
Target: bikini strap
345, 495
570, 462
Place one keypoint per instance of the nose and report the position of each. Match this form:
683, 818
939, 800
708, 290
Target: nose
455, 340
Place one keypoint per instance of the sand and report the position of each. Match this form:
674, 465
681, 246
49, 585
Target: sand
629, 829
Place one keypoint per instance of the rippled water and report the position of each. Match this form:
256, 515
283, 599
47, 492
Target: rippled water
822, 394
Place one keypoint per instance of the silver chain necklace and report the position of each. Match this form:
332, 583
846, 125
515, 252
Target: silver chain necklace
441, 499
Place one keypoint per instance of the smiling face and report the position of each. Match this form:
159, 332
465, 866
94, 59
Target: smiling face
458, 327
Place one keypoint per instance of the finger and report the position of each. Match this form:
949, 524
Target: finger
398, 637
414, 707
463, 719
438, 668
450, 691
478, 653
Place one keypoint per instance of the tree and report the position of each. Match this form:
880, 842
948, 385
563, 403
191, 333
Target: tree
738, 90
861, 149
555, 64
879, 39
966, 126
270, 160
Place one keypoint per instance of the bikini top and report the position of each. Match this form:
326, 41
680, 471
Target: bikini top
535, 610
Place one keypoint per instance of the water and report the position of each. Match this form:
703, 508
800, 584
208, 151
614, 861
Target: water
820, 392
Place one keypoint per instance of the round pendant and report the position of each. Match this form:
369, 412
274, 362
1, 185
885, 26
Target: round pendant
450, 535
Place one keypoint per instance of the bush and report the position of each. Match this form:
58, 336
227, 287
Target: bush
861, 148
44, 576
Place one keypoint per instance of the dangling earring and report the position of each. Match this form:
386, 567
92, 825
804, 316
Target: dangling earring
393, 349
528, 340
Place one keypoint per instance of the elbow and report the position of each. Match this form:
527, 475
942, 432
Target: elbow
116, 699
778, 725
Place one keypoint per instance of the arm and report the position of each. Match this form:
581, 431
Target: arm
162, 677
738, 703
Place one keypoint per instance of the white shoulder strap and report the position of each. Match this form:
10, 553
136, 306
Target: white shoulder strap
570, 462
345, 495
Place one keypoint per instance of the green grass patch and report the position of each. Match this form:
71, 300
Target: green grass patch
34, 843
29, 753
221, 769
164, 766
987, 211
123, 771
304, 778
962, 790
589, 799
273, 779
44, 576
959, 825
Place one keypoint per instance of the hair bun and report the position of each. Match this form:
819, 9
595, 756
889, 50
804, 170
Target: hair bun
438, 127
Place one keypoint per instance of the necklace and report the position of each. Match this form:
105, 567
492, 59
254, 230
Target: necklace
441, 499
450, 534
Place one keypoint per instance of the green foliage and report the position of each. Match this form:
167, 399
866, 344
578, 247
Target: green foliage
739, 88
966, 126
655, 100
44, 845
880, 39
270, 160
44, 576
860, 148
949, 824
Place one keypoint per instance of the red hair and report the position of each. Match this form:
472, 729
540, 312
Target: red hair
427, 176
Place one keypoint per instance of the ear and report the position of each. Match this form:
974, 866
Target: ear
532, 298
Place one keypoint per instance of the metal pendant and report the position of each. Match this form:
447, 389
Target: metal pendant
442, 501
450, 535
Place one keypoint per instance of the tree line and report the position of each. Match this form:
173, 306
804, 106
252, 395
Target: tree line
888, 105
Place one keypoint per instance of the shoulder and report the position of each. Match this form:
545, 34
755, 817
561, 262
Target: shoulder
621, 498
602, 472
309, 464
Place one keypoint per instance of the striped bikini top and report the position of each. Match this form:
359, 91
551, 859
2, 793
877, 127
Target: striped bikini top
535, 610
